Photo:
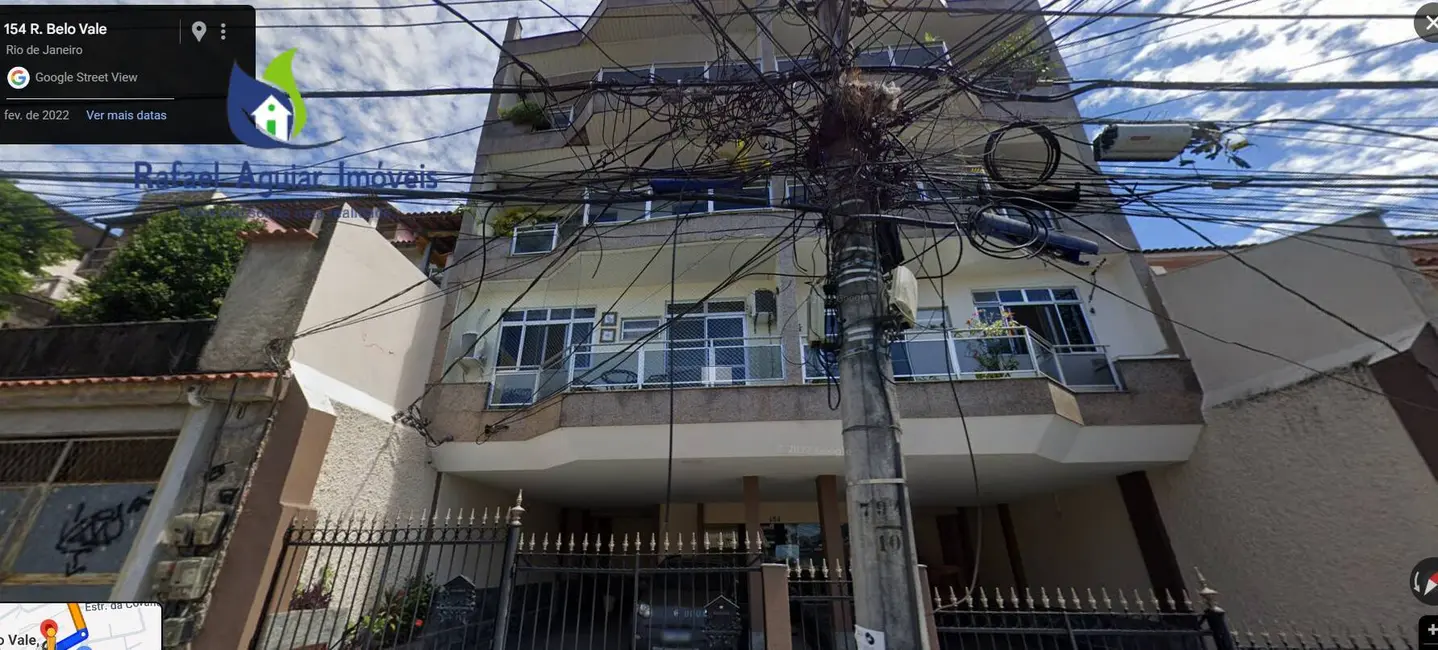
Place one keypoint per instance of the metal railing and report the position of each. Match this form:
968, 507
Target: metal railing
965, 354
629, 366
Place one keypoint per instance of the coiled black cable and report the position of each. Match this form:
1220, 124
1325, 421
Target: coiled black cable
1052, 154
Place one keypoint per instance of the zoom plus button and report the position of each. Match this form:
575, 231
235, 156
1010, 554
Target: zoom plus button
1428, 632
1423, 582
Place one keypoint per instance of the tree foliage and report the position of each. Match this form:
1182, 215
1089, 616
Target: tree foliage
176, 266
30, 239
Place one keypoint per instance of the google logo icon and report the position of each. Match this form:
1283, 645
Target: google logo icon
19, 77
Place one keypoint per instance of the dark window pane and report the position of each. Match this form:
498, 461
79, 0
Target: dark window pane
509, 345
1038, 295
536, 314
554, 344
638, 75
533, 351
758, 195
1074, 326
1065, 294
734, 72
917, 56
559, 314
1013, 295
586, 313
511, 316
727, 307
679, 74
985, 296
874, 58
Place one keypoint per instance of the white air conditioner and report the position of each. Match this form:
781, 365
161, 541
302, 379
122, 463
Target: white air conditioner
763, 303
904, 295
1141, 142
814, 315
471, 350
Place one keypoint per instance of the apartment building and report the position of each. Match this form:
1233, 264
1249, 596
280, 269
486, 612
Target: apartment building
1026, 443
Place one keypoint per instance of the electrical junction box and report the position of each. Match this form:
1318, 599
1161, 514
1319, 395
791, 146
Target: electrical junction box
1142, 142
180, 528
209, 526
191, 577
904, 295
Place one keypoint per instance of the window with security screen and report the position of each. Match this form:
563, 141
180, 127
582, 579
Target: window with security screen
70, 510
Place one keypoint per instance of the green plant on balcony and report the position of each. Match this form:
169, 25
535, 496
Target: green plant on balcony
1015, 62
317, 594
993, 347
526, 113
397, 618
507, 221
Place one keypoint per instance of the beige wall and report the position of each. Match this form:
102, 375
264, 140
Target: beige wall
1079, 538
386, 358
1357, 281
1305, 506
373, 467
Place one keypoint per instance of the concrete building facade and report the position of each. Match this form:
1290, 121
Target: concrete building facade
588, 340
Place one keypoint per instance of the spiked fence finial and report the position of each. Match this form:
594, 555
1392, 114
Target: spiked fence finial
1207, 593
516, 513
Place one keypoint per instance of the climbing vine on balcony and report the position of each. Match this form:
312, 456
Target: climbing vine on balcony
993, 348
507, 221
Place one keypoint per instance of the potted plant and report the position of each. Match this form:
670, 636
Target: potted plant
1015, 62
507, 221
526, 113
993, 348
310, 620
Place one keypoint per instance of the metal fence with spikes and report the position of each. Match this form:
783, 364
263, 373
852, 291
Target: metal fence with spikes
1045, 619
1263, 639
622, 591
431, 581
821, 605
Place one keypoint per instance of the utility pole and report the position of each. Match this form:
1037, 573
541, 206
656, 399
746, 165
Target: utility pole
888, 597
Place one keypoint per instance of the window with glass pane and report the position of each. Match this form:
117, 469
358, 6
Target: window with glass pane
605, 207
924, 350
786, 66
757, 193
678, 73
800, 193
634, 329
1056, 315
734, 71
537, 348
688, 200
622, 76
707, 343
920, 56
874, 58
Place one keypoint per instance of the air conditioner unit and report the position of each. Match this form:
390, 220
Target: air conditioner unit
763, 303
471, 349
815, 316
904, 295
1141, 142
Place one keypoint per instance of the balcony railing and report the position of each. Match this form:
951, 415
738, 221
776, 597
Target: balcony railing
631, 366
540, 238
928, 355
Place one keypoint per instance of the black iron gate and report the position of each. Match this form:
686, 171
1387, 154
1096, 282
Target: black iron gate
436, 584
477, 583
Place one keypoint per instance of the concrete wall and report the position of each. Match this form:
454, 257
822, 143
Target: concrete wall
265, 301
1320, 474
1371, 284
1296, 470
371, 467
386, 358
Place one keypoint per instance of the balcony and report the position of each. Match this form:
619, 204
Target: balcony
962, 354
536, 239
112, 350
635, 365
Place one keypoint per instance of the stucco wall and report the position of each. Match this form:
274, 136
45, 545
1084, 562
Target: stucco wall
1362, 275
1079, 538
372, 467
1306, 506
386, 357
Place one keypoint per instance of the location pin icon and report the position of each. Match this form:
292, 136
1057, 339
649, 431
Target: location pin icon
198, 29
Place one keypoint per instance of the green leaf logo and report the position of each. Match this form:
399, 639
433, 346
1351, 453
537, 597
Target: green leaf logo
280, 74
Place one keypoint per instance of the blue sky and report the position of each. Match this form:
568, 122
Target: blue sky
336, 53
